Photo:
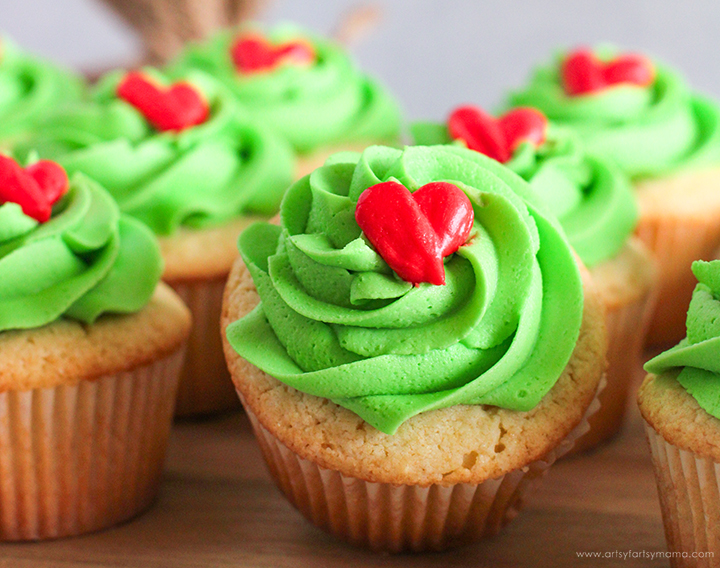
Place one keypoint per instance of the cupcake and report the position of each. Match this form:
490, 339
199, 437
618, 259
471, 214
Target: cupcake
596, 208
680, 403
192, 166
30, 88
304, 87
91, 352
644, 117
410, 362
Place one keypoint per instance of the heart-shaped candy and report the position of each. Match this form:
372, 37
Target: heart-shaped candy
413, 232
497, 137
583, 73
172, 108
255, 54
35, 189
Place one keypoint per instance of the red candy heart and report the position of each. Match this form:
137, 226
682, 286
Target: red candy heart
413, 232
35, 189
497, 137
255, 54
584, 73
174, 108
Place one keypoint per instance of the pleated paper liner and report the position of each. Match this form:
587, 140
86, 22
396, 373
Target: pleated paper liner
676, 241
205, 384
626, 325
76, 459
398, 518
689, 490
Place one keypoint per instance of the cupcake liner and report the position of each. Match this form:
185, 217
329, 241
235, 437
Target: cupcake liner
676, 243
396, 518
205, 384
689, 490
76, 459
626, 326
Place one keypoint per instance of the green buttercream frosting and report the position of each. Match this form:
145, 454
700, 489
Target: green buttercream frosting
202, 176
648, 131
326, 103
335, 321
698, 355
88, 259
30, 88
592, 199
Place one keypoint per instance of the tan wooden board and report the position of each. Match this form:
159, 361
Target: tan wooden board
219, 508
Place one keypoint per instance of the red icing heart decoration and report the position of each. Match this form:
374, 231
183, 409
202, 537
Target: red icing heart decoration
583, 73
255, 54
413, 232
173, 108
35, 189
497, 137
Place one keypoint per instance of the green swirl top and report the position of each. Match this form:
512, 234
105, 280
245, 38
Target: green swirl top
29, 89
321, 102
648, 130
86, 260
592, 199
698, 355
202, 175
335, 321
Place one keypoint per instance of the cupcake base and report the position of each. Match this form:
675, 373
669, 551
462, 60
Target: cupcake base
197, 263
205, 385
80, 458
689, 490
445, 477
397, 518
679, 223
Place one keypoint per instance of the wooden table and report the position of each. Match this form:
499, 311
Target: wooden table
218, 507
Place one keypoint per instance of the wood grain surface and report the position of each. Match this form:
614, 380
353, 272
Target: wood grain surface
219, 508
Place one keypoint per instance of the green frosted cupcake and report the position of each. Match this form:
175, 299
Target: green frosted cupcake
30, 88
185, 160
680, 402
666, 137
421, 334
91, 348
305, 87
596, 207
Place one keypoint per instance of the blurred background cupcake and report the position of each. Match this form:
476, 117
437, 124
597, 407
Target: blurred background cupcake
305, 87
30, 88
644, 117
91, 348
185, 160
596, 207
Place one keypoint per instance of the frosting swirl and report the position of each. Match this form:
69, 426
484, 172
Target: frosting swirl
87, 260
334, 321
202, 176
326, 102
697, 355
29, 89
592, 199
646, 130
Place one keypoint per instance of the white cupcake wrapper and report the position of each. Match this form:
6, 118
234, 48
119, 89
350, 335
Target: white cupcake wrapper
75, 459
396, 518
205, 384
689, 490
675, 243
